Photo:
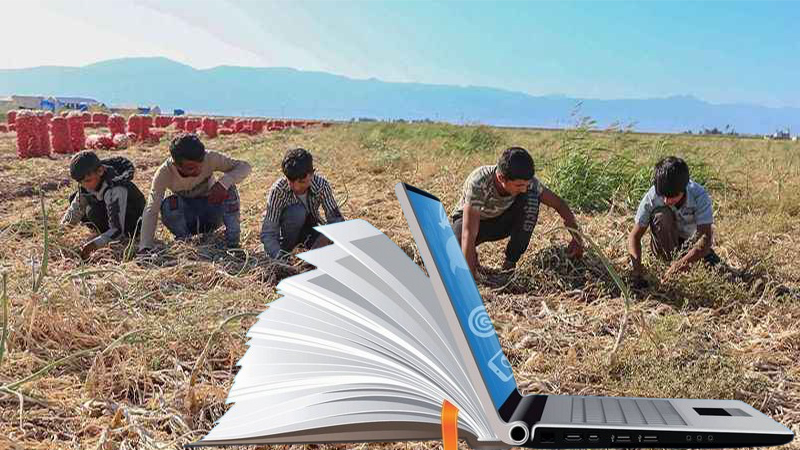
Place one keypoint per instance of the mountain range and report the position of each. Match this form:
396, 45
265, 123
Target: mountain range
286, 92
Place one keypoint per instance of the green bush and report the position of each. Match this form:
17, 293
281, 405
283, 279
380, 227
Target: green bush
471, 140
591, 177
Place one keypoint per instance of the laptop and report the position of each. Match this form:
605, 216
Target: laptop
562, 421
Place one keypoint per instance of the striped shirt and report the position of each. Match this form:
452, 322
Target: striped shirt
319, 194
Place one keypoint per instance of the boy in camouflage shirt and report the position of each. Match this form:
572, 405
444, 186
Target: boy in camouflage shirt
502, 201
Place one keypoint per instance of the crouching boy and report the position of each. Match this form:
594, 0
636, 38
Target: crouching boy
293, 205
106, 201
679, 215
199, 203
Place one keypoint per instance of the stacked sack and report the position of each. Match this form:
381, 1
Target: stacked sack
226, 131
76, 134
241, 126
192, 125
100, 142
11, 116
43, 133
163, 121
116, 124
257, 126
120, 141
27, 140
228, 123
180, 123
210, 127
100, 119
60, 130
139, 125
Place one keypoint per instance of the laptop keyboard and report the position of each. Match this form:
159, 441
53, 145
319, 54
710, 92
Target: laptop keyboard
624, 411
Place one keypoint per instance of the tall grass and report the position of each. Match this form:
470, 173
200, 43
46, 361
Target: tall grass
593, 175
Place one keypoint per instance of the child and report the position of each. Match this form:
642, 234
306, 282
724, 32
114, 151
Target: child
293, 206
106, 200
502, 201
200, 203
678, 212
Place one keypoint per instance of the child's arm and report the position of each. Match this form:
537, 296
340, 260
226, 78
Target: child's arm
329, 204
470, 224
235, 170
116, 200
153, 208
552, 200
704, 216
271, 227
635, 249
700, 250
75, 210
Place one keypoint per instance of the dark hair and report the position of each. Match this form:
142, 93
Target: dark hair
670, 176
516, 164
297, 163
82, 164
187, 146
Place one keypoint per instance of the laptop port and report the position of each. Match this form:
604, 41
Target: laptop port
573, 437
650, 439
624, 438
547, 437
594, 438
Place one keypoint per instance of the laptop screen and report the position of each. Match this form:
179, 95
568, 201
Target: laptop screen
463, 293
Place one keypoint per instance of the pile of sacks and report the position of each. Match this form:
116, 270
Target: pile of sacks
116, 125
210, 127
33, 136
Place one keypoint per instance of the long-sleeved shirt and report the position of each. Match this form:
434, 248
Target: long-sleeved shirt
116, 201
281, 195
168, 177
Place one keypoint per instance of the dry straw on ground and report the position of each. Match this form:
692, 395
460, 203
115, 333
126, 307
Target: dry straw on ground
123, 353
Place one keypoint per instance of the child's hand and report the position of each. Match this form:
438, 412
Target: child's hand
217, 194
575, 249
88, 249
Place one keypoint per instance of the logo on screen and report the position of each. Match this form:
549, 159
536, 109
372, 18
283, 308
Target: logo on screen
500, 366
480, 324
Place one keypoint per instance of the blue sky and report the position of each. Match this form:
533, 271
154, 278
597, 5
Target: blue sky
722, 52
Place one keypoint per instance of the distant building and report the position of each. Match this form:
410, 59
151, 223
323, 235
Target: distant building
75, 102
50, 103
27, 101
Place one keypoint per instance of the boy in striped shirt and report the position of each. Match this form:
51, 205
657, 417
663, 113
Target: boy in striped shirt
293, 205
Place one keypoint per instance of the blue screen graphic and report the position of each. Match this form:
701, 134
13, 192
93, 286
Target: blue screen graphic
464, 295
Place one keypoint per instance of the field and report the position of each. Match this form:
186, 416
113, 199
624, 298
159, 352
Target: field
122, 353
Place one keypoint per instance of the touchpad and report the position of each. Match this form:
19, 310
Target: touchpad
721, 412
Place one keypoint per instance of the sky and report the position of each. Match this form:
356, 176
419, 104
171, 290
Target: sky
719, 51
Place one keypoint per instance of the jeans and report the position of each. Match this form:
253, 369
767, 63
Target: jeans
185, 217
666, 243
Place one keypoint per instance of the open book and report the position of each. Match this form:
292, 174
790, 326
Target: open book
356, 350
